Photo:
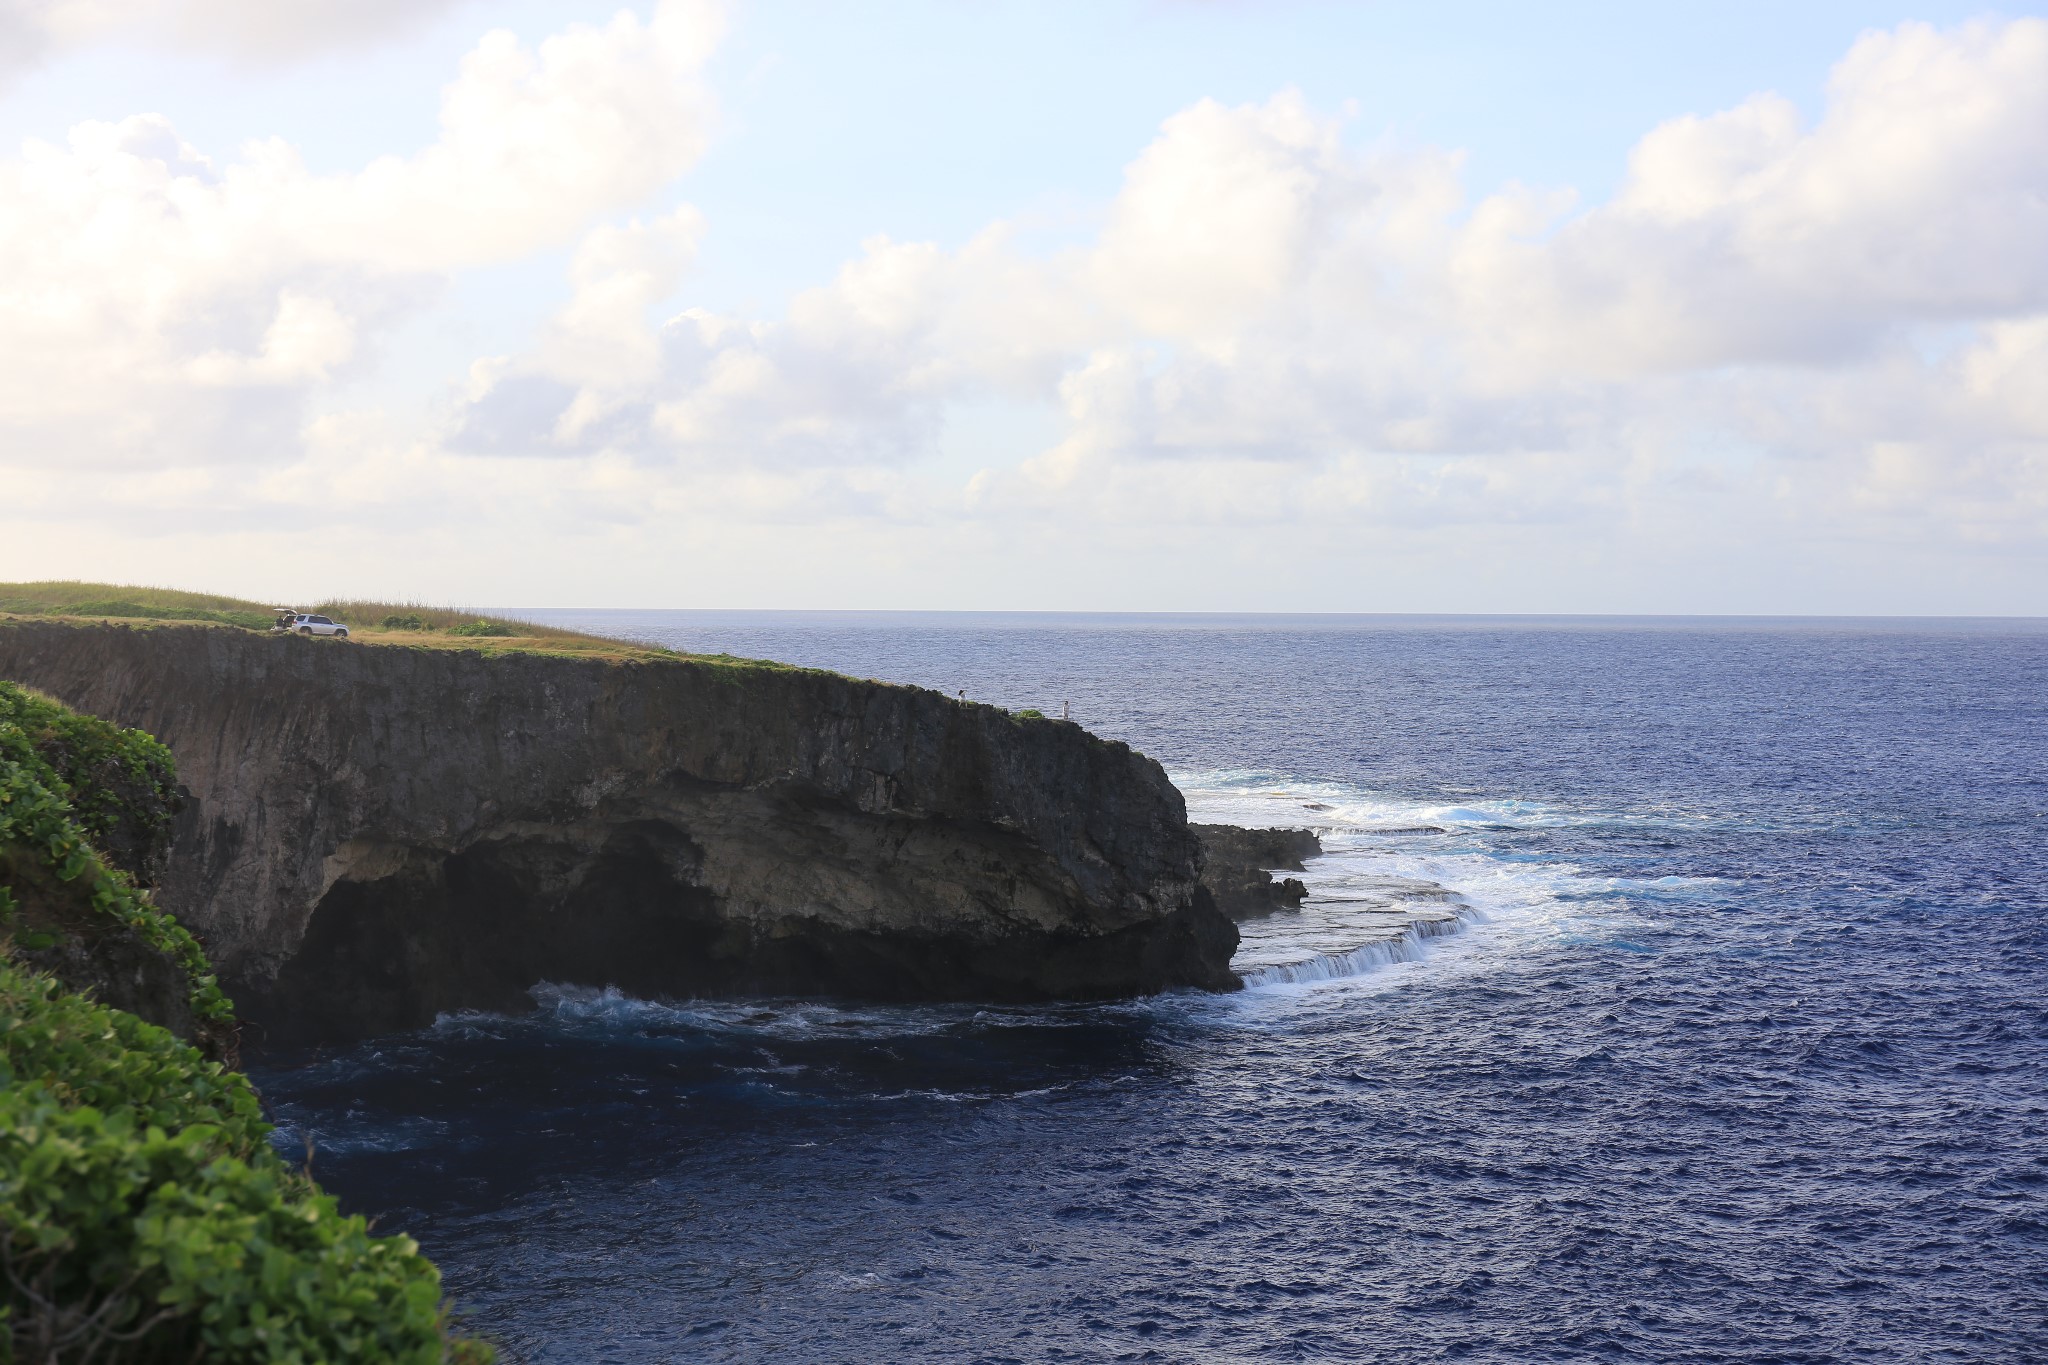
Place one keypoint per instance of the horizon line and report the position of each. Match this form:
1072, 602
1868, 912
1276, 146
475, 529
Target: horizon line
1255, 614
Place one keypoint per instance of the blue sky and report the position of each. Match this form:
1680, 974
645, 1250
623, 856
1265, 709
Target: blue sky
1145, 306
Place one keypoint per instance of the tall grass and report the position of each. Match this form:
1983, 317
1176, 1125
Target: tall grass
74, 597
69, 592
372, 615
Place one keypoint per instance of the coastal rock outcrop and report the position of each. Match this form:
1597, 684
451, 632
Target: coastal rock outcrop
1236, 864
373, 835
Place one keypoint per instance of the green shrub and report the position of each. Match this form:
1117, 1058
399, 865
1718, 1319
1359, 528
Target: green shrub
145, 1217
493, 628
1031, 715
120, 784
410, 621
39, 823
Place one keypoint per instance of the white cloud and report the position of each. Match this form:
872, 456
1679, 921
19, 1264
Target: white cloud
1920, 197
160, 306
1775, 331
1262, 294
1225, 217
243, 30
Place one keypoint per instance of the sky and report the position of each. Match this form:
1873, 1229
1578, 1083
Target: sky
1150, 305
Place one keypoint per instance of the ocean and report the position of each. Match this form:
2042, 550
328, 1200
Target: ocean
1670, 990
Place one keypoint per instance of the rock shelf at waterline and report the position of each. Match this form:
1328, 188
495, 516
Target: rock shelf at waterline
1369, 923
1238, 865
378, 834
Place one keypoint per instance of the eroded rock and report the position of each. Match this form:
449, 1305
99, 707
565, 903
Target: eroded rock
378, 834
1237, 867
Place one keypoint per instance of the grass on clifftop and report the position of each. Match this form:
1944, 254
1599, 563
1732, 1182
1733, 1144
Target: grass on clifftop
412, 624
71, 598
61, 594
371, 622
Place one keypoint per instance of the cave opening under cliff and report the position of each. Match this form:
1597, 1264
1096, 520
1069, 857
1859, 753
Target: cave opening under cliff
478, 928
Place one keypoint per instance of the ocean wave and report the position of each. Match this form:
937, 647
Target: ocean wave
299, 1137
611, 1010
1393, 862
1408, 946
1267, 797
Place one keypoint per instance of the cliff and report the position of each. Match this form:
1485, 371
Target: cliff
372, 835
1236, 863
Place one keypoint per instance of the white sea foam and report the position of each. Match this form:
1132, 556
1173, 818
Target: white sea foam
1399, 878
1399, 875
1259, 797
354, 1132
610, 1010
1407, 946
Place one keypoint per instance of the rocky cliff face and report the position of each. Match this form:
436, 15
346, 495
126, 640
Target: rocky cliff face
374, 835
1236, 863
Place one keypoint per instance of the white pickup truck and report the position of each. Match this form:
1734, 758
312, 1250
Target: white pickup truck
305, 623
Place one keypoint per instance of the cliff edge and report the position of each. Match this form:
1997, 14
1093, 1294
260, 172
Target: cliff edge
374, 835
1237, 868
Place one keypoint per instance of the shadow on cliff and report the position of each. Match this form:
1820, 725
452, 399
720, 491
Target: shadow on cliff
378, 835
426, 933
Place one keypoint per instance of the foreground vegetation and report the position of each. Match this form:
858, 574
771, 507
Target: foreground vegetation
144, 1215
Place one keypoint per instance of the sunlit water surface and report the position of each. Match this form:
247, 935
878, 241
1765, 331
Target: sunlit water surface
1730, 1045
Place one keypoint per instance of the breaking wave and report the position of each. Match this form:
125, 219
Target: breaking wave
1366, 957
1400, 875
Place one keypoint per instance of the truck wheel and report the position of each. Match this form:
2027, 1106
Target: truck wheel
305, 630
341, 634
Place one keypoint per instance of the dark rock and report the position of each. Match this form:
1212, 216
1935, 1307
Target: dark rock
1237, 865
377, 834
1272, 848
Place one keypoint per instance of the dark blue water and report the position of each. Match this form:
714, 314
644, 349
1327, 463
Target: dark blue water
1741, 1055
